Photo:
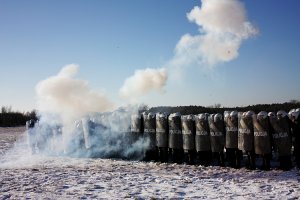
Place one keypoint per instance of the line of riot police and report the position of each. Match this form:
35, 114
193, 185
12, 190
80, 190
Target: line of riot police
232, 139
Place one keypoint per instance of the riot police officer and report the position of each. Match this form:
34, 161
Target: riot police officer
188, 133
162, 136
282, 138
175, 138
231, 142
150, 134
202, 139
262, 138
217, 137
136, 127
246, 137
295, 124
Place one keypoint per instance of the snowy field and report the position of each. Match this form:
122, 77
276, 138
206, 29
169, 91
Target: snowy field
23, 175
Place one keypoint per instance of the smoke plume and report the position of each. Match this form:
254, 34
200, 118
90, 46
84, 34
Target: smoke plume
143, 82
223, 26
76, 120
68, 96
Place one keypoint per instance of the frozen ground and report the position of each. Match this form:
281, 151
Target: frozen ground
40, 177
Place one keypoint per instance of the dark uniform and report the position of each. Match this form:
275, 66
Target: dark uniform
295, 124
175, 138
162, 136
282, 138
231, 142
188, 134
150, 134
246, 137
217, 137
202, 139
262, 138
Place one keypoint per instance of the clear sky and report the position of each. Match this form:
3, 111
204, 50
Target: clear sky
110, 39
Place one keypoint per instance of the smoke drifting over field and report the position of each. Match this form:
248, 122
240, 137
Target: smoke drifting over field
144, 81
68, 96
77, 120
223, 26
86, 118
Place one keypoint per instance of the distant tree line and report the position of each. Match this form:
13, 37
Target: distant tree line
217, 108
10, 118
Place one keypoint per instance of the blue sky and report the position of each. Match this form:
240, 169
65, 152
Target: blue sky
111, 39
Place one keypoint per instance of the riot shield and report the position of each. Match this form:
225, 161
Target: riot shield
136, 127
149, 129
162, 130
217, 138
245, 131
202, 138
281, 133
175, 133
231, 127
262, 137
188, 132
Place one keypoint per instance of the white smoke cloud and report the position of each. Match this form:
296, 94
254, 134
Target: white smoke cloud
76, 120
68, 96
143, 82
223, 26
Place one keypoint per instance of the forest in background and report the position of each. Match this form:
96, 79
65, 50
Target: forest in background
217, 108
10, 118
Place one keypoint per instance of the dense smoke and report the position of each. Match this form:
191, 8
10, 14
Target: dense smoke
76, 120
68, 96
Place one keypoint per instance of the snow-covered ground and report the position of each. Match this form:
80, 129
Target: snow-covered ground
23, 175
